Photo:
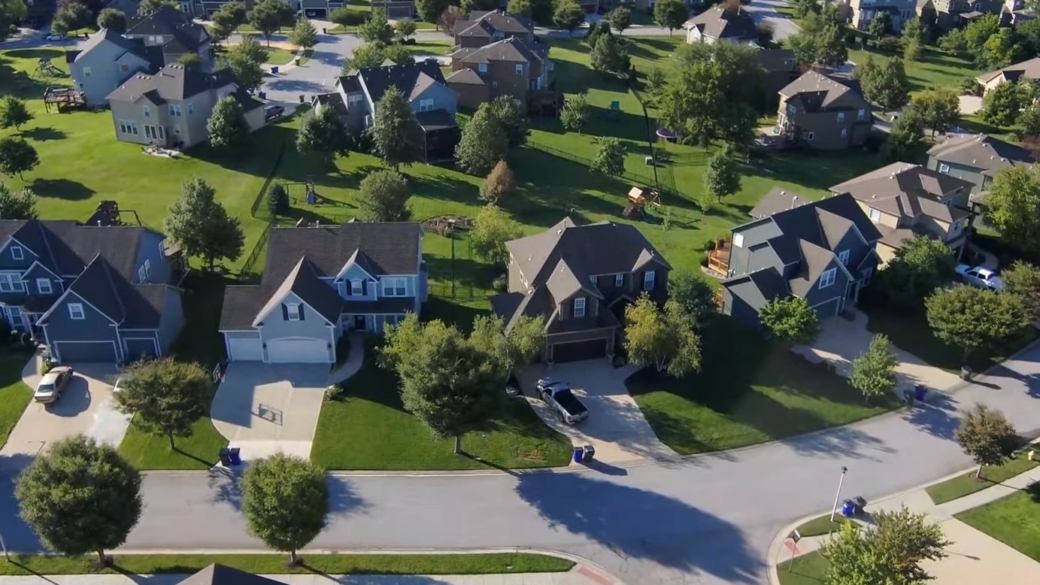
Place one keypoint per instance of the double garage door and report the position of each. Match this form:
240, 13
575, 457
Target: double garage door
280, 351
87, 351
578, 350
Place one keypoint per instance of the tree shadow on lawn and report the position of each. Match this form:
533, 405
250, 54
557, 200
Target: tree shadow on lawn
61, 189
468, 272
452, 311
446, 186
574, 77
257, 159
644, 525
43, 134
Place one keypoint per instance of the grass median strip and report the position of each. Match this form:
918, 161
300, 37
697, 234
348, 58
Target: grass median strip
271, 564
14, 395
966, 484
822, 525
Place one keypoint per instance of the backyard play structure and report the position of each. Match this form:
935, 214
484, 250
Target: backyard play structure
637, 200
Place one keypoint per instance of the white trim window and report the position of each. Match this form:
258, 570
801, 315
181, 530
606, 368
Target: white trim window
44, 286
519, 68
356, 288
619, 280
738, 240
844, 132
482, 67
875, 215
649, 280
862, 115
394, 287
843, 257
76, 312
867, 273
175, 110
841, 116
354, 99
579, 307
426, 105
944, 168
86, 72
592, 279
810, 135
17, 253
828, 277
11, 282
147, 111
292, 310
128, 127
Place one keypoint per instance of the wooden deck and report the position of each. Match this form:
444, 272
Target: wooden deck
718, 260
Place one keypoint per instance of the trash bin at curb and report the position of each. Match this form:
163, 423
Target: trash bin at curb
297, 61
579, 453
920, 392
965, 372
225, 457
234, 454
589, 453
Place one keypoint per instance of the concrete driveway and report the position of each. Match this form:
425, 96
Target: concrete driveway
615, 427
270, 408
85, 407
842, 340
970, 104
317, 75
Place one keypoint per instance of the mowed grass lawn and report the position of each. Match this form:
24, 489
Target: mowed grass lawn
935, 69
14, 395
748, 391
966, 484
807, 569
1013, 520
278, 56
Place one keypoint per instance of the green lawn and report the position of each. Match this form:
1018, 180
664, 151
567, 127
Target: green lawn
822, 525
748, 392
14, 395
306, 56
935, 69
1013, 520
277, 56
430, 48
369, 429
807, 569
329, 564
966, 484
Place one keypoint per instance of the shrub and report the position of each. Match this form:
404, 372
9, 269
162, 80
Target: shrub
335, 392
501, 283
889, 44
278, 199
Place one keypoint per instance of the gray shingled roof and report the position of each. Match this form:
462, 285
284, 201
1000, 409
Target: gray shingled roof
135, 46
777, 200
720, 23
302, 282
404, 77
465, 76
983, 152
132, 306
513, 49
221, 575
1028, 69
906, 190
171, 83
819, 92
502, 21
186, 36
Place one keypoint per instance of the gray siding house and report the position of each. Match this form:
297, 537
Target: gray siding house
174, 34
976, 159
106, 61
822, 252
89, 293
320, 282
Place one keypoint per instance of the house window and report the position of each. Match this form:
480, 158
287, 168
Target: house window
128, 127
810, 135
649, 278
843, 257
355, 287
592, 279
17, 253
191, 109
867, 273
738, 240
177, 130
11, 283
844, 132
875, 215
394, 287
123, 67
144, 271
354, 99
147, 112
828, 276
944, 168
841, 116
494, 84
76, 312
579, 307
482, 68
44, 286
519, 68
86, 72
862, 115
292, 311
140, 274
425, 105
175, 110
619, 280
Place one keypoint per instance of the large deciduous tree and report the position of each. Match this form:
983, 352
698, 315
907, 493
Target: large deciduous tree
430, 10
376, 29
575, 113
17, 205
71, 16
202, 227
303, 34
693, 295
610, 55
1021, 280
13, 113
939, 109
610, 157
285, 500
227, 126
452, 14
670, 14
906, 140
620, 19
919, 267
322, 132
244, 60
975, 319
1002, 105
483, 144
790, 320
112, 19
346, 18
665, 339
891, 553
874, 371
1013, 207
492, 228
80, 497
226, 20
886, 84
11, 12
384, 197
396, 134
166, 397
17, 157
269, 16
509, 114
987, 436
568, 15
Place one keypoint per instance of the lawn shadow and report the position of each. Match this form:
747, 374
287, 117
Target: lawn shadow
43, 134
354, 579
61, 189
937, 415
452, 311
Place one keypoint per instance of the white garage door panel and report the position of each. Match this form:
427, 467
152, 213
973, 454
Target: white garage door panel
245, 350
298, 351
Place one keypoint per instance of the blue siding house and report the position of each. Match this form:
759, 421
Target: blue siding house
320, 282
89, 292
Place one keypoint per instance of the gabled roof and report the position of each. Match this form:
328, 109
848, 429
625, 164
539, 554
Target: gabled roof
433, 120
465, 76
981, 151
184, 35
818, 92
777, 200
131, 306
492, 21
906, 190
404, 77
777, 60
221, 575
305, 284
133, 46
722, 23
171, 83
513, 49
1026, 69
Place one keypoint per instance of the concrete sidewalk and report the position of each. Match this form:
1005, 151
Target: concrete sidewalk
573, 577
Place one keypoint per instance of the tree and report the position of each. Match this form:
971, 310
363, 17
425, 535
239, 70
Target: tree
376, 29
1029, 121
803, 46
722, 177
498, 185
610, 55
954, 43
13, 113
671, 14
568, 15
620, 19
906, 140
510, 116
986, 436
939, 109
974, 319
201, 225
396, 134
147, 7
112, 19
1021, 280
363, 57
597, 30
404, 28
874, 371
824, 46
303, 34
251, 49
429, 10
445, 377
483, 144
71, 16
322, 132
693, 295
190, 61
575, 113
492, 228
1001, 105
656, 81
452, 14
519, 8
347, 18
20, 205
244, 60
913, 49
11, 13
384, 197
662, 339
1029, 33
166, 397
891, 553
978, 32
1013, 206
278, 199
17, 156
803, 8
80, 497
1002, 49
269, 16
226, 19
790, 320
881, 26
285, 500
886, 84
919, 267
399, 54
610, 157
914, 31
227, 126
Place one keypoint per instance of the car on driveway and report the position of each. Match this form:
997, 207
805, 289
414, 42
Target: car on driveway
564, 403
980, 277
272, 112
55, 37
53, 384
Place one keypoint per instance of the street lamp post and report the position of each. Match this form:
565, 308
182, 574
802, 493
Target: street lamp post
3, 545
451, 234
837, 495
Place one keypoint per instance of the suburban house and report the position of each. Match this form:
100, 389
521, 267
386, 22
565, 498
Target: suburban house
824, 112
175, 32
781, 69
421, 83
396, 9
171, 107
904, 200
90, 293
820, 251
949, 14
722, 23
511, 66
1025, 70
860, 13
1014, 13
484, 28
108, 59
579, 280
320, 282
977, 158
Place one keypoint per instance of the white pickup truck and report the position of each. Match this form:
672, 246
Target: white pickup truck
564, 403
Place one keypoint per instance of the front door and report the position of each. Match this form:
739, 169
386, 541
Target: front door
359, 322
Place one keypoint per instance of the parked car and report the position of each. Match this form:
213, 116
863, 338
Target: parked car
981, 277
55, 37
53, 384
272, 111
564, 403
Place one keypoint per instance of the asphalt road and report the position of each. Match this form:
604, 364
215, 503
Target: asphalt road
708, 520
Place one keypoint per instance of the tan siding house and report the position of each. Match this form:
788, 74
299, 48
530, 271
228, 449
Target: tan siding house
824, 112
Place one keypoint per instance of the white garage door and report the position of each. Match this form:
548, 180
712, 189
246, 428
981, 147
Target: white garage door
245, 350
298, 351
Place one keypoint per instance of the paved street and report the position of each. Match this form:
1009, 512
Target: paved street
765, 11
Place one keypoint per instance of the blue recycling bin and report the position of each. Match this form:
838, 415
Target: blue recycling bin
848, 508
920, 392
234, 454
263, 95
579, 453
274, 70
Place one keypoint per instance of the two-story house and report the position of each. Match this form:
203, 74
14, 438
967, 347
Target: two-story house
949, 14
483, 28
108, 59
172, 107
977, 158
722, 23
905, 200
511, 66
579, 280
318, 283
89, 293
824, 112
822, 252
175, 32
860, 13
1012, 73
